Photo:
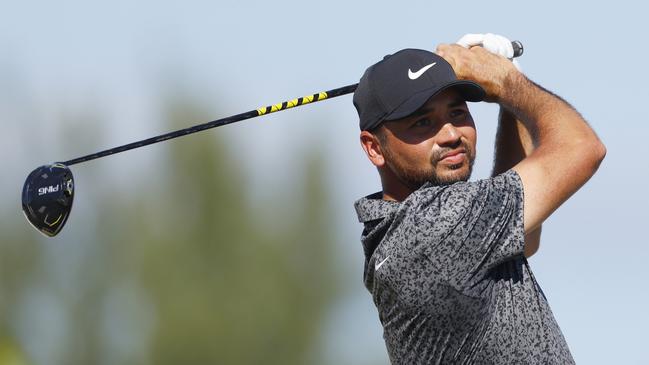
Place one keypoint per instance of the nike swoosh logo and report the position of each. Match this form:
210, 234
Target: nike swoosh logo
415, 75
377, 266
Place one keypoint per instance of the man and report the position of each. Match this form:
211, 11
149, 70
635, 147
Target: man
445, 259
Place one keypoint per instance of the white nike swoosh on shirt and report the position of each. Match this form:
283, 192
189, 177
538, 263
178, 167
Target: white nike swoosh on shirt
415, 75
377, 266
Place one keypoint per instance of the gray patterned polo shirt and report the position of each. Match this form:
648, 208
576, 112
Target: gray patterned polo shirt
447, 273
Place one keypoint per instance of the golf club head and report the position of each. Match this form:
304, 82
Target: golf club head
47, 198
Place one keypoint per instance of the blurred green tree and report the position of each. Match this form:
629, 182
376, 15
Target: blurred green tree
226, 290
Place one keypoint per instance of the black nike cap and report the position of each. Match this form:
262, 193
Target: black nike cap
401, 83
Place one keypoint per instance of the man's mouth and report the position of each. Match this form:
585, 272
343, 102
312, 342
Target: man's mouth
453, 157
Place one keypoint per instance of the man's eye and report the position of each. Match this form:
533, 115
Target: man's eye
458, 113
422, 123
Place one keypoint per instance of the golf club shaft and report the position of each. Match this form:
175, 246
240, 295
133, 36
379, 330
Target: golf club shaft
219, 122
518, 51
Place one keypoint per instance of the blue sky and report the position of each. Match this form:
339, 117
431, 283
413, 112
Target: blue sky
242, 55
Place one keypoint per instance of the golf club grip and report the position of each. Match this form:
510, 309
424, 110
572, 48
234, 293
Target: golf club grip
516, 45
518, 48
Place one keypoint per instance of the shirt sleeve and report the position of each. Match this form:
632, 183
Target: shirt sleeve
467, 229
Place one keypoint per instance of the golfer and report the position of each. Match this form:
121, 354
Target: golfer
446, 259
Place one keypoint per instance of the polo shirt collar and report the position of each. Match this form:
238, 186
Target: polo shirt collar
373, 207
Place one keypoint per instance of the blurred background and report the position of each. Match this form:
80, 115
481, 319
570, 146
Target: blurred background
240, 245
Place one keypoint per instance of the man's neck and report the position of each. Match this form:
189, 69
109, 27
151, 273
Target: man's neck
394, 188
396, 193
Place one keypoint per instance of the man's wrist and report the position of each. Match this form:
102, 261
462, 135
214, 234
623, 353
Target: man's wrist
525, 99
513, 84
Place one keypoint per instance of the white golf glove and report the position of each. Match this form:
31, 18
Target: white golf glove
493, 43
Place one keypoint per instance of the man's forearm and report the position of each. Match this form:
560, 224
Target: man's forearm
546, 117
567, 151
513, 144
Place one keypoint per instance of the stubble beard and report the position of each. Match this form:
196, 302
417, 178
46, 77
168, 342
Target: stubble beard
415, 177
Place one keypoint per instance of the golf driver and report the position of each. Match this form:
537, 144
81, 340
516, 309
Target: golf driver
48, 191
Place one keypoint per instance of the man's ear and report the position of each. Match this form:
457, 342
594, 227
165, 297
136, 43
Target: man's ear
372, 148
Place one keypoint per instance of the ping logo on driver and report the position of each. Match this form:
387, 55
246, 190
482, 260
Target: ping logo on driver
47, 198
48, 190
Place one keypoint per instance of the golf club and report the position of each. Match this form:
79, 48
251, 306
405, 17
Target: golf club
48, 191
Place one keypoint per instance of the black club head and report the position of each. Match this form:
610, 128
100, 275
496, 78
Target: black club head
47, 197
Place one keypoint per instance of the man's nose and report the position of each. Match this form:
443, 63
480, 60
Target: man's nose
448, 135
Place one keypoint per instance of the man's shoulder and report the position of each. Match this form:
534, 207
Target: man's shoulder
431, 198
506, 180
454, 198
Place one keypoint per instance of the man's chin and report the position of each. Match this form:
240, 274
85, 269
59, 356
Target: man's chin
451, 176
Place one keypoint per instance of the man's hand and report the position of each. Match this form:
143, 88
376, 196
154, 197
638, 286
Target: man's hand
477, 64
493, 43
